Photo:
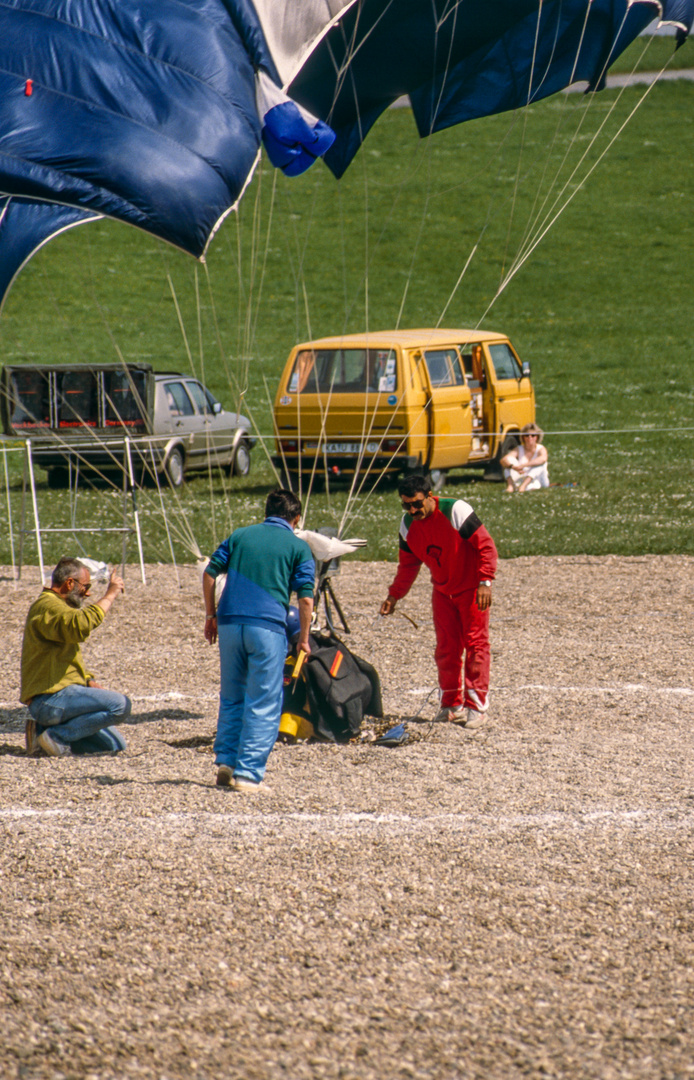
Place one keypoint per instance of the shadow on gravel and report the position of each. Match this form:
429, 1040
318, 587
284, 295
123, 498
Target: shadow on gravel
7, 750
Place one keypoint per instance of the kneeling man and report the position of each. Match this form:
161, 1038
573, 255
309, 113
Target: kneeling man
66, 704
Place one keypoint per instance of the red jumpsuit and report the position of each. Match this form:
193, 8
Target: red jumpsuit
460, 553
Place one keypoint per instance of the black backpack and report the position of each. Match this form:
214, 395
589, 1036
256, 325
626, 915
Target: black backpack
335, 689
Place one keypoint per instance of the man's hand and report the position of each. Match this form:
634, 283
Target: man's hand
94, 684
304, 645
388, 606
210, 630
484, 597
116, 584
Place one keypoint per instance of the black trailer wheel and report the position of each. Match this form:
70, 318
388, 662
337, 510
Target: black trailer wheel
58, 477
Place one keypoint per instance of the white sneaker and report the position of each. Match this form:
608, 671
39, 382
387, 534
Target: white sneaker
475, 720
52, 746
248, 787
450, 716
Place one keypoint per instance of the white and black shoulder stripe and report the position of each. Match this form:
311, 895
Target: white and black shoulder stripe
464, 519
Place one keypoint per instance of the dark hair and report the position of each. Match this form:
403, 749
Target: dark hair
284, 504
410, 485
66, 568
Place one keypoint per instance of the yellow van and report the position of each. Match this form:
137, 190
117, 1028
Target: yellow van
399, 401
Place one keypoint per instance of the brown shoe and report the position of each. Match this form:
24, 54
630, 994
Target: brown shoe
31, 738
224, 776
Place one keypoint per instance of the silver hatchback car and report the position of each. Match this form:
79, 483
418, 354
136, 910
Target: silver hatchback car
80, 417
203, 434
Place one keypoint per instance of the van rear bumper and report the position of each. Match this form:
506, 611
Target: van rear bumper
347, 464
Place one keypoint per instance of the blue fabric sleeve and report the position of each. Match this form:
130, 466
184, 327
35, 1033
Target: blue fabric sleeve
304, 578
219, 562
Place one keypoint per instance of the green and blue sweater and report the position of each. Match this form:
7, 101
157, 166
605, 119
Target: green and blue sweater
264, 565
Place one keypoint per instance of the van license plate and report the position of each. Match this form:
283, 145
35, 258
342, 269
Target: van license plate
342, 448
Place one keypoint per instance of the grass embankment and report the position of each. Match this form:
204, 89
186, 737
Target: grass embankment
601, 310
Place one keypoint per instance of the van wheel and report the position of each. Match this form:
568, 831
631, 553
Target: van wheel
241, 465
174, 468
437, 479
494, 470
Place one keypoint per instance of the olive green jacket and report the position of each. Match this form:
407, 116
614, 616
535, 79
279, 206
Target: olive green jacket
51, 654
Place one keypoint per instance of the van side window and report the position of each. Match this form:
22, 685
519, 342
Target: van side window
178, 401
505, 364
344, 371
444, 367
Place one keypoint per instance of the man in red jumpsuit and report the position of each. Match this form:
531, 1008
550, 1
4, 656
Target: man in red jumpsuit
448, 537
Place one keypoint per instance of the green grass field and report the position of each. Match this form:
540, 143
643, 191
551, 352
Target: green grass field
600, 309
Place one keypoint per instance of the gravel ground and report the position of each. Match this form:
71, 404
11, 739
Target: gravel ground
515, 902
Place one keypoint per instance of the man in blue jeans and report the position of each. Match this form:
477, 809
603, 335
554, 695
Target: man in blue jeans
264, 564
68, 707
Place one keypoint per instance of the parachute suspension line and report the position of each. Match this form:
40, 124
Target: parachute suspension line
165, 516
526, 255
592, 142
208, 434
527, 239
562, 115
403, 440
5, 452
268, 233
321, 442
524, 128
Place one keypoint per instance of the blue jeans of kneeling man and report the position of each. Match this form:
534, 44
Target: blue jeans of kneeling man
250, 697
76, 712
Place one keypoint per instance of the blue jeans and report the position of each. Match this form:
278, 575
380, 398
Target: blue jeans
250, 697
76, 712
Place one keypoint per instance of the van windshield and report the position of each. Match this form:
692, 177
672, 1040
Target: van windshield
344, 371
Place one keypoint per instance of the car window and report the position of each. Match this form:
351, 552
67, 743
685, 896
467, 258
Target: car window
178, 401
444, 367
344, 371
505, 364
199, 397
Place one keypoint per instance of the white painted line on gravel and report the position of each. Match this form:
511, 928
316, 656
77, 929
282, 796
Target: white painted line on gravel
622, 688
669, 817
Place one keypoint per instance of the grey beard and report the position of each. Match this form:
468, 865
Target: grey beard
74, 599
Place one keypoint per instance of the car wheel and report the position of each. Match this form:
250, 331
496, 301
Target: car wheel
437, 478
242, 459
174, 468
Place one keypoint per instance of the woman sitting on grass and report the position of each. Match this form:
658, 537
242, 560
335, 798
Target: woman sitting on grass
525, 467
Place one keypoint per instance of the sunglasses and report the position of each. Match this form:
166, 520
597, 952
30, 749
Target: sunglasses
84, 589
415, 504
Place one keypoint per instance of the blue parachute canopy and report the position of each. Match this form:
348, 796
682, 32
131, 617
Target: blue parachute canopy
153, 111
